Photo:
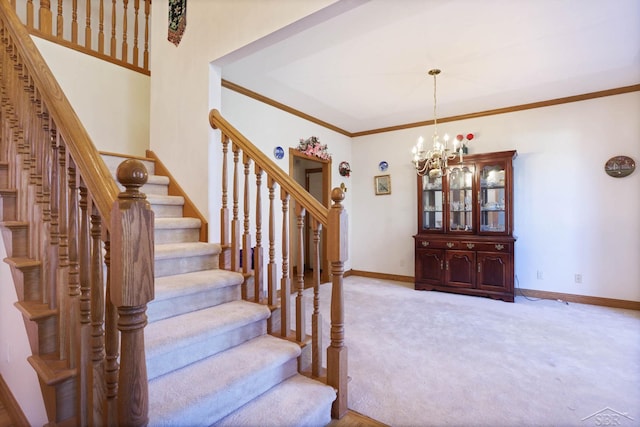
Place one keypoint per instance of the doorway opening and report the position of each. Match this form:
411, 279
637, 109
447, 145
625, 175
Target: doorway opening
314, 175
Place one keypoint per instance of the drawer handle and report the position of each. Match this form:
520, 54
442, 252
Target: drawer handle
499, 246
450, 245
478, 267
425, 244
442, 265
447, 265
470, 245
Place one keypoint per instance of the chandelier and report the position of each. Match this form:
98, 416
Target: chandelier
433, 162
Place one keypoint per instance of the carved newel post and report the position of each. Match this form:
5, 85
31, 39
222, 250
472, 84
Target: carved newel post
337, 351
132, 288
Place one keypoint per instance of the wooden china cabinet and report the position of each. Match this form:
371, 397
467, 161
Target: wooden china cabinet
465, 240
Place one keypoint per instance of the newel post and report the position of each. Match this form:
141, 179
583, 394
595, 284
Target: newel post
337, 351
132, 288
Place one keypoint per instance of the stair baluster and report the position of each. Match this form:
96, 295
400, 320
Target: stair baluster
285, 282
224, 209
258, 285
235, 222
316, 317
246, 235
301, 328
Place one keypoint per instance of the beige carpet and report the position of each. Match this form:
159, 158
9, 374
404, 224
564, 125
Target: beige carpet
421, 358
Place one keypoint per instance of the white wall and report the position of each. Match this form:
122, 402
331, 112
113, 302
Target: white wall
112, 102
269, 127
570, 216
182, 80
14, 350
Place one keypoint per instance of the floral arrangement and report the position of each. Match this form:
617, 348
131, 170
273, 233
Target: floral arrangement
461, 139
312, 147
344, 168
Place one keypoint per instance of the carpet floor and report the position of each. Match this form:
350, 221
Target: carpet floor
421, 358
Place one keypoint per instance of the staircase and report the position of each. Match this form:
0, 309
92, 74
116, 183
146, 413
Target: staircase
209, 358
94, 266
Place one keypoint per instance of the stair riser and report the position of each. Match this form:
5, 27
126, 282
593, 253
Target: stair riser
16, 241
46, 331
183, 356
27, 283
171, 266
8, 207
158, 310
176, 235
4, 176
167, 211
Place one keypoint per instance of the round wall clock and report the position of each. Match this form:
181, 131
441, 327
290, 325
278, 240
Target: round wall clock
619, 166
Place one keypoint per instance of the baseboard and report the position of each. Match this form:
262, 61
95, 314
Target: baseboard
11, 405
581, 299
383, 276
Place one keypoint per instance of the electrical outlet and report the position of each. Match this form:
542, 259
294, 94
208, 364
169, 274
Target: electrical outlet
540, 277
578, 278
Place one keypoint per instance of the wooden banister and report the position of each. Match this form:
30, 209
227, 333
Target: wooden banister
80, 32
296, 206
295, 190
70, 227
87, 159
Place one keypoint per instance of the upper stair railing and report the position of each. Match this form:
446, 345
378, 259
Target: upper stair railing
81, 252
295, 199
113, 30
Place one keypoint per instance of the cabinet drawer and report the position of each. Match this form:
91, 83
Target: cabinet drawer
486, 247
435, 244
463, 245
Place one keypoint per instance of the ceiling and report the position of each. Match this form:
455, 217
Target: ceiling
362, 65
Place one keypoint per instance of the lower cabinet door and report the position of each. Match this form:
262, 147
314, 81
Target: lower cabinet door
429, 266
460, 269
493, 271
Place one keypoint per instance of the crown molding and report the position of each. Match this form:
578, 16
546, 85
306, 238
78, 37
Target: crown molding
557, 101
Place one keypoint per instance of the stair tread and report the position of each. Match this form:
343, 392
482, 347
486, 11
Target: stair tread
50, 369
200, 325
171, 250
35, 310
174, 398
14, 224
299, 397
21, 262
190, 283
157, 199
178, 222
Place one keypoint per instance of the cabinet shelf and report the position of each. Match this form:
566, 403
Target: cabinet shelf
465, 242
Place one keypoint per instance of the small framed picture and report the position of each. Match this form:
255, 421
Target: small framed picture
382, 184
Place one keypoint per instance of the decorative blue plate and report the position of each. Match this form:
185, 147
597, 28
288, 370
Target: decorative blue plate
278, 152
383, 166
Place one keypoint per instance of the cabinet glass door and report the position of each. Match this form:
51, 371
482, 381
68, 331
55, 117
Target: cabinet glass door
492, 199
432, 203
461, 199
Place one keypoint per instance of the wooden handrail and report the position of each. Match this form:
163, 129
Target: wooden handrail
297, 192
98, 179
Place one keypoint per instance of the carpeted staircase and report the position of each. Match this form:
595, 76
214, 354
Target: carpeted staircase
209, 358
